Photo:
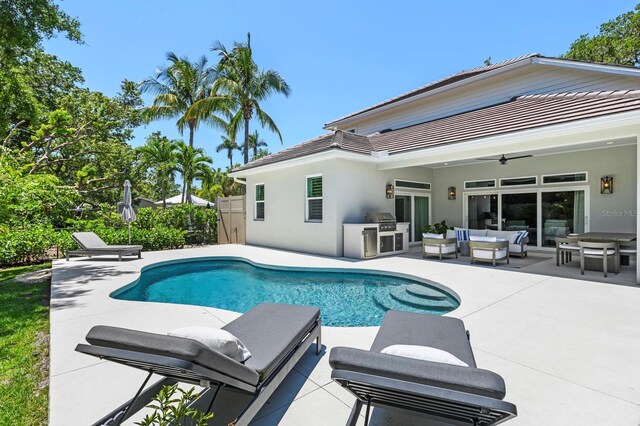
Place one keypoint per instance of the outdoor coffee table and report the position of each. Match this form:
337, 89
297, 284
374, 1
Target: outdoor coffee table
464, 248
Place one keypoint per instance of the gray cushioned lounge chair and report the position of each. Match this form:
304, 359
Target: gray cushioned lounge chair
92, 245
276, 335
447, 393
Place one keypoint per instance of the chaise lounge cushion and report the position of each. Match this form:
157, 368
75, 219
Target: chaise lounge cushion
270, 331
447, 334
170, 346
464, 379
405, 328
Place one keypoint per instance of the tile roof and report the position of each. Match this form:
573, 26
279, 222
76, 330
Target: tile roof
518, 114
338, 140
440, 83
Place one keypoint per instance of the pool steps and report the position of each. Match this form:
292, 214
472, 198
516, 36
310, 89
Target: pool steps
424, 292
399, 298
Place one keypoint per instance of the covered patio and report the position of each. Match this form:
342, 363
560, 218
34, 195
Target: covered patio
548, 177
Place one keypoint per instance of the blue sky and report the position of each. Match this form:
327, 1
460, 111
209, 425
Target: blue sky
337, 56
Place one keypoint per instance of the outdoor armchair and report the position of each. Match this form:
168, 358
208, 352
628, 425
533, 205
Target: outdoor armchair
489, 251
439, 247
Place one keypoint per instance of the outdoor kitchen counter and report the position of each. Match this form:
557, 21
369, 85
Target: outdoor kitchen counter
360, 242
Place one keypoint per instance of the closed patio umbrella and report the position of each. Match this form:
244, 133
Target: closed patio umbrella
128, 214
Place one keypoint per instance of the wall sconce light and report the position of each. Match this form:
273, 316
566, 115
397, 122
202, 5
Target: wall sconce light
606, 185
451, 192
389, 191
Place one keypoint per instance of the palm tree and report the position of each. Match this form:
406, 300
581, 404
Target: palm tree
255, 143
159, 154
245, 86
183, 90
228, 143
192, 163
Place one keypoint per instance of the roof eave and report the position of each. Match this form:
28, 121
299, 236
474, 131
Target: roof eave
516, 142
330, 154
479, 77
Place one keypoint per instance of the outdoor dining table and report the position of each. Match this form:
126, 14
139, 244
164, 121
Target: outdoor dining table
618, 237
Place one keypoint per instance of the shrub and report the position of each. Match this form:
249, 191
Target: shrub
26, 245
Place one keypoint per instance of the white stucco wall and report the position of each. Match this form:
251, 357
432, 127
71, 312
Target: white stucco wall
350, 190
284, 225
608, 212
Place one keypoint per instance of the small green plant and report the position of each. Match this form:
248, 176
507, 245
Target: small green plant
171, 409
437, 228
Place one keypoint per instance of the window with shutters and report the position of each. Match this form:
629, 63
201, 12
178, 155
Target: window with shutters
314, 198
259, 210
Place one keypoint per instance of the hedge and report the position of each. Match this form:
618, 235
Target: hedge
154, 229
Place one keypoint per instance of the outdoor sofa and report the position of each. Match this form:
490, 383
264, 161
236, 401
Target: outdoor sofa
276, 335
444, 392
517, 239
92, 245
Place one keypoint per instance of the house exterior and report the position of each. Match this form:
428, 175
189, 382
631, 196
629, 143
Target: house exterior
571, 123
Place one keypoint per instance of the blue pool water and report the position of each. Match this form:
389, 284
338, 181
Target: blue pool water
345, 298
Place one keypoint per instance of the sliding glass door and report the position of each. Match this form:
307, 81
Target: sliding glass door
415, 210
544, 213
482, 211
520, 213
563, 213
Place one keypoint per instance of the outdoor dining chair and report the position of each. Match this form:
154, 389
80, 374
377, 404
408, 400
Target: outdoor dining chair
599, 250
565, 247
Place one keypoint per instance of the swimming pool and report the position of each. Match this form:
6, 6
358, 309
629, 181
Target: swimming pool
345, 298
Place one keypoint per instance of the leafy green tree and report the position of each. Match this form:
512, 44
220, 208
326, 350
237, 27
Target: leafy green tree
24, 24
183, 90
30, 199
192, 163
159, 155
220, 185
617, 42
31, 86
84, 142
246, 86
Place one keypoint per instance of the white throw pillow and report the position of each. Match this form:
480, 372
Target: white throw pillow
219, 340
425, 353
430, 235
483, 239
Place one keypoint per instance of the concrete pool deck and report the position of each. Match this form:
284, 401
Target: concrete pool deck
568, 349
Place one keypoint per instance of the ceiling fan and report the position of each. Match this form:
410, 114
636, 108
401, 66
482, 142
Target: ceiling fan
503, 160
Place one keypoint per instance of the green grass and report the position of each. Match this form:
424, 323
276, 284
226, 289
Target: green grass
24, 348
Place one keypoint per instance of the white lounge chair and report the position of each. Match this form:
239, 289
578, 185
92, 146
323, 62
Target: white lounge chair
92, 245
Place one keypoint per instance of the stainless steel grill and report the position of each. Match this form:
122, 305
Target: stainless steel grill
386, 222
